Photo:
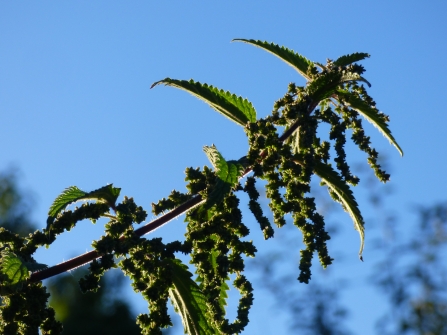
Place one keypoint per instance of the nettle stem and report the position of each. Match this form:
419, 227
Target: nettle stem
148, 228
91, 255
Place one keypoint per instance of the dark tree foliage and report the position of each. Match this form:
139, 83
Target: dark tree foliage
80, 313
414, 277
15, 205
91, 313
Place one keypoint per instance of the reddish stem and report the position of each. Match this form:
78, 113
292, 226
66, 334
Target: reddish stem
91, 255
151, 226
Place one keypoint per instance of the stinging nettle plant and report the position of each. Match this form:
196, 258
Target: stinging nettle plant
215, 234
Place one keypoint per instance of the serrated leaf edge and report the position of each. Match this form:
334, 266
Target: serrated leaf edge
7, 258
59, 204
247, 110
260, 44
177, 298
368, 113
331, 178
351, 58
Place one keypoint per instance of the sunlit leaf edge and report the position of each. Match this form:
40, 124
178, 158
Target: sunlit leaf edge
371, 115
189, 302
234, 107
331, 178
72, 194
294, 59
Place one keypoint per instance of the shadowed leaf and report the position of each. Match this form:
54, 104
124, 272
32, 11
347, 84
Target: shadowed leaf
352, 58
324, 86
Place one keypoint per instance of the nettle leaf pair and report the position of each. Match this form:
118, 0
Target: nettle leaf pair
215, 232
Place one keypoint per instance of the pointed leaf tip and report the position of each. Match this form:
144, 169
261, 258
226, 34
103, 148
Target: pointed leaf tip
234, 107
334, 182
69, 195
372, 115
227, 172
294, 59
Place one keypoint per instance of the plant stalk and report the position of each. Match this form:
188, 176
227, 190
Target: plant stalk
150, 227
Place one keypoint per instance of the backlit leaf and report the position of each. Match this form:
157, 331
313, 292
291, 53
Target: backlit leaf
297, 61
189, 302
107, 194
233, 107
333, 180
14, 268
371, 115
227, 172
219, 163
69, 195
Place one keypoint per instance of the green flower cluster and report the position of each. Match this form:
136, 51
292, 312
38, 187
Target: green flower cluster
215, 236
287, 166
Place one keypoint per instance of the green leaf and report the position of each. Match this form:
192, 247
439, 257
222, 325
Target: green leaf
371, 115
333, 180
227, 172
325, 85
14, 268
352, 58
233, 107
219, 163
107, 194
69, 195
297, 61
189, 302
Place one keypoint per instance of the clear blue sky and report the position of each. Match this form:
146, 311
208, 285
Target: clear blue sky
76, 109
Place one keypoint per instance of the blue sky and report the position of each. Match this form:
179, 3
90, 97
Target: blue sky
76, 108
